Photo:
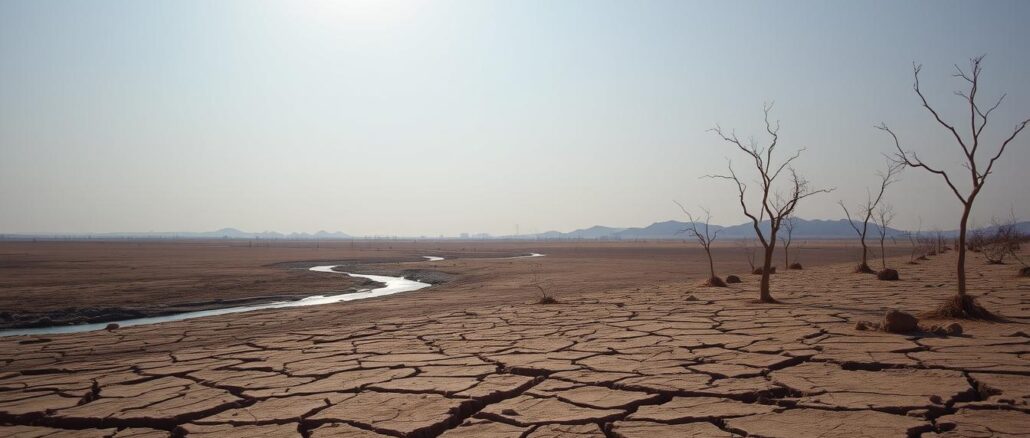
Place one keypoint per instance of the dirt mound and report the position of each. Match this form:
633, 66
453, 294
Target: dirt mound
888, 275
796, 265
715, 281
758, 271
1025, 271
896, 321
732, 279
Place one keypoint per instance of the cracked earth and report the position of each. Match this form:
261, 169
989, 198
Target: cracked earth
618, 363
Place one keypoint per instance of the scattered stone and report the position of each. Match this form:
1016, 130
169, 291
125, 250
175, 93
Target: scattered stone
796, 265
509, 411
888, 275
863, 325
690, 298
896, 321
112, 327
954, 329
1025, 271
732, 279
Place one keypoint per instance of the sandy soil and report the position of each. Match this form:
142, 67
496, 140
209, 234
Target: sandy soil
103, 281
658, 357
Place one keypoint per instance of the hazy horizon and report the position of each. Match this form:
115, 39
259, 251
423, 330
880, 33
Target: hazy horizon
430, 118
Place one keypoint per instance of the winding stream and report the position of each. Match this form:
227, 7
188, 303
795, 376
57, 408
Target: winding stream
392, 285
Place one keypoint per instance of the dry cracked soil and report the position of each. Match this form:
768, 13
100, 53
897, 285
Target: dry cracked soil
627, 363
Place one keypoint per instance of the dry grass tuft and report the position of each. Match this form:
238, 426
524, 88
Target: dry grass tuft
547, 299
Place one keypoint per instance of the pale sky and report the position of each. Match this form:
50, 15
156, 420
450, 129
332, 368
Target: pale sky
427, 118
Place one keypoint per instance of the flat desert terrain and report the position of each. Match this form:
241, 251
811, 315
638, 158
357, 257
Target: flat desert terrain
87, 281
635, 347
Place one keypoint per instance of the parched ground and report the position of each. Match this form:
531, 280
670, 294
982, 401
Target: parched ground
671, 359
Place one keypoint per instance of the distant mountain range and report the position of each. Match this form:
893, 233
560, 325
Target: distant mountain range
668, 230
675, 230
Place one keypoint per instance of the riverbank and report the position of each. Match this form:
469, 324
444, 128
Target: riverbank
669, 359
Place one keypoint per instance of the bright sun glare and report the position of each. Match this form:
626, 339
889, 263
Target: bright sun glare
358, 11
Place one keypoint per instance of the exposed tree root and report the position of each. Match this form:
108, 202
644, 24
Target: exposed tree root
961, 307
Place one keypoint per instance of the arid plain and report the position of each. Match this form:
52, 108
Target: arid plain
636, 346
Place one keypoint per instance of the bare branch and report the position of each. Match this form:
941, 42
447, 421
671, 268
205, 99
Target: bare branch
903, 158
915, 72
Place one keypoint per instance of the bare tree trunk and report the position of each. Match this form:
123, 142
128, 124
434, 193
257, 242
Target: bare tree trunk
765, 296
883, 253
962, 248
865, 253
711, 264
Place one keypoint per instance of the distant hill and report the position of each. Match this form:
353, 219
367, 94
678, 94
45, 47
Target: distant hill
675, 230
667, 230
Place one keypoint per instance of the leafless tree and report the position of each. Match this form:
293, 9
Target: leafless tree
961, 305
1006, 240
884, 216
748, 247
786, 237
705, 238
774, 205
914, 241
867, 210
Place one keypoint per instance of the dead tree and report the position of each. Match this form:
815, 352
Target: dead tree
914, 240
774, 205
749, 251
785, 239
867, 210
884, 216
705, 238
961, 305
1006, 240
